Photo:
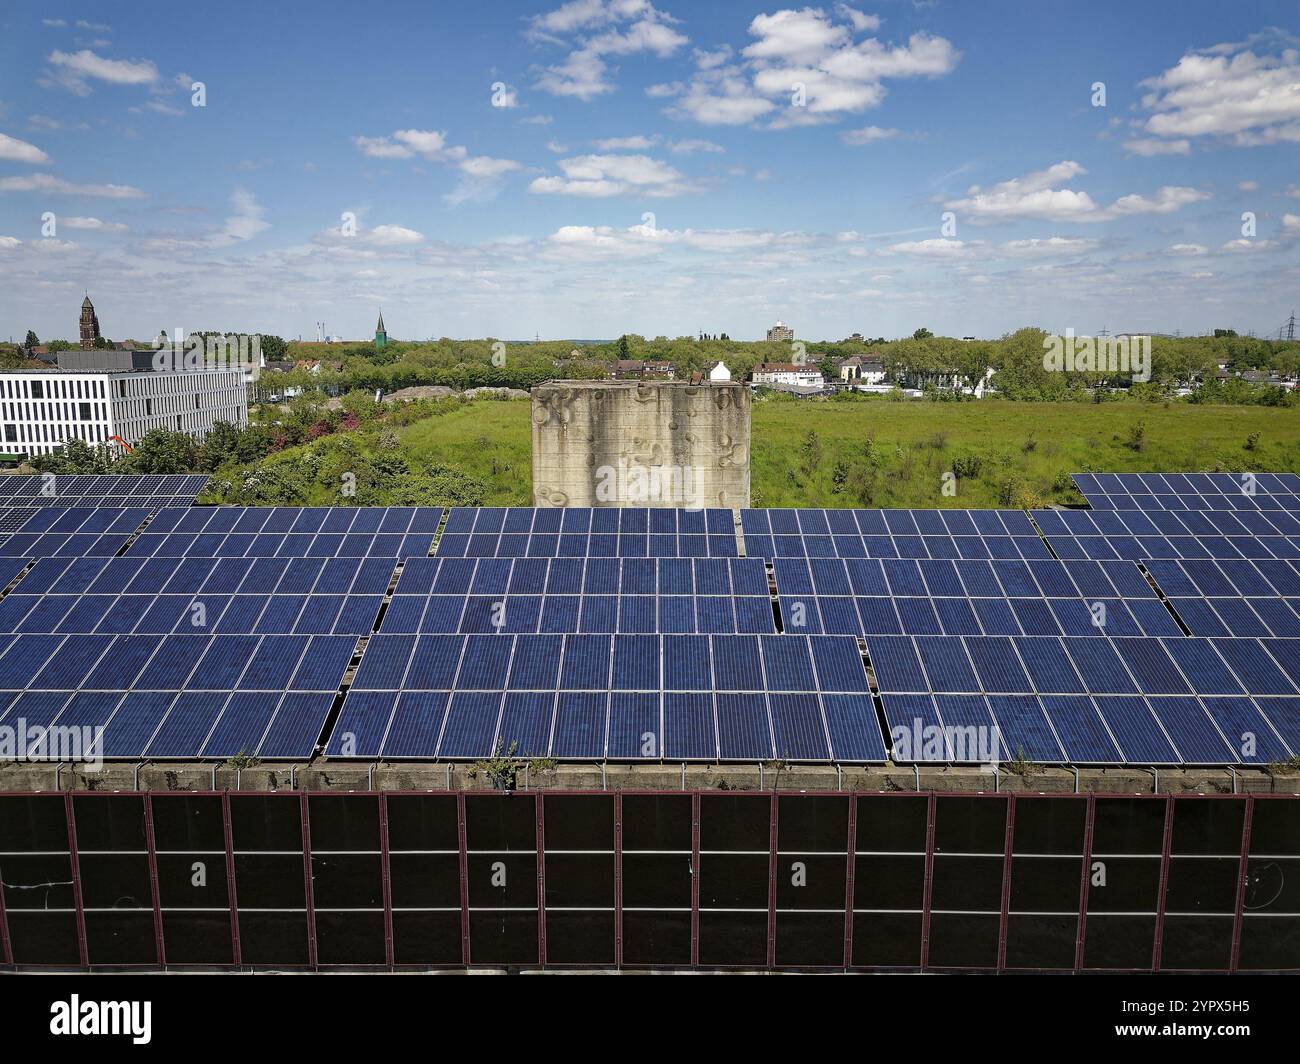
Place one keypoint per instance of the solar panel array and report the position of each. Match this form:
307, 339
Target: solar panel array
627, 697
1267, 492
122, 489
1153, 635
591, 595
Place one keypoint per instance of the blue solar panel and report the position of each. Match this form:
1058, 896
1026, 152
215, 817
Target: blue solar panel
1142, 740
1025, 728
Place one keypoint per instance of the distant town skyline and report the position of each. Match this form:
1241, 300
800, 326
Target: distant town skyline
598, 167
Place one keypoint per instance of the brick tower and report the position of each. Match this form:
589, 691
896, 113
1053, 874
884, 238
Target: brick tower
89, 324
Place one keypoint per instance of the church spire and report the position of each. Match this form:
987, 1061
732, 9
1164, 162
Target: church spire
381, 335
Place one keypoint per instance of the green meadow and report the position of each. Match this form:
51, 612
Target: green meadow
891, 454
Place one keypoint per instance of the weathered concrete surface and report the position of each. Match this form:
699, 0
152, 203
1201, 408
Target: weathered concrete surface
641, 443
323, 775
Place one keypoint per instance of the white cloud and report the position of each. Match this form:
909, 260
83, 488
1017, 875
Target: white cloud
1247, 186
382, 148
835, 73
486, 166
867, 134
725, 100
1036, 247
602, 176
1293, 191
633, 143
481, 173
576, 15
61, 186
1036, 195
691, 145
9, 242
94, 224
795, 37
159, 106
706, 60
556, 147
1244, 246
1291, 223
598, 242
73, 70
1188, 250
1148, 147
727, 239
537, 120
246, 220
20, 151
1229, 93
861, 23
393, 236
605, 242
627, 27
934, 248
665, 90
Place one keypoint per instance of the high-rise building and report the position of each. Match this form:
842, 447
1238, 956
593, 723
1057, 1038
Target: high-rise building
780, 332
381, 335
89, 324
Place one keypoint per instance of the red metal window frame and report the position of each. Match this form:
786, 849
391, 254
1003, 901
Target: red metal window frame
853, 797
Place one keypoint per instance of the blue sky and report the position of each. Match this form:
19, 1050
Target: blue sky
608, 166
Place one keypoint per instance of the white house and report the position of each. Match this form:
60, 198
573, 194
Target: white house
787, 374
720, 372
862, 369
40, 411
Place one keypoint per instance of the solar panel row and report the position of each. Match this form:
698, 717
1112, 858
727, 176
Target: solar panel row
680, 697
1098, 729
519, 532
194, 595
1166, 523
151, 490
637, 595
1191, 491
1079, 665
178, 696
971, 597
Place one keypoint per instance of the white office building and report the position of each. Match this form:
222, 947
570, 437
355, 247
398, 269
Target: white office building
39, 411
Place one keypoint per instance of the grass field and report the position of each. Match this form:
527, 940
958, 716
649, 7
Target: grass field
896, 454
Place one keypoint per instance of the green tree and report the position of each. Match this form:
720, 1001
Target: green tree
75, 456
219, 447
162, 451
31, 341
922, 334
274, 347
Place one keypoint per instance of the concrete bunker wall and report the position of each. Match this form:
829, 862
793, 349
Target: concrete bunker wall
638, 443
